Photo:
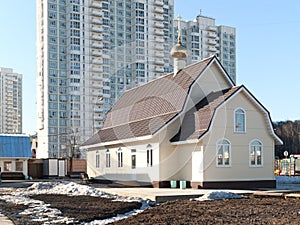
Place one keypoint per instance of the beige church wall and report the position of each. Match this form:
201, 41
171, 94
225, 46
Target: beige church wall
211, 80
141, 173
255, 129
91, 169
189, 162
167, 154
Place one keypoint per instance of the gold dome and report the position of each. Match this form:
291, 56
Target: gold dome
179, 51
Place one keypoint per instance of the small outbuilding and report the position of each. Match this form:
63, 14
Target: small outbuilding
15, 151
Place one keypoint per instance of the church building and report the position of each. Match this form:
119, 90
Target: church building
194, 125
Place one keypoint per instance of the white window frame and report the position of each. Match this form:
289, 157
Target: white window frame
97, 164
133, 159
149, 156
120, 158
236, 129
251, 144
107, 158
219, 144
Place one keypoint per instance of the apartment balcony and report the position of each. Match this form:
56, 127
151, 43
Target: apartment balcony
98, 94
96, 21
96, 29
96, 61
211, 35
96, 77
98, 110
212, 28
159, 24
96, 69
159, 2
97, 85
159, 62
106, 87
161, 40
97, 53
98, 118
158, 69
158, 17
211, 49
96, 12
159, 47
98, 126
158, 10
159, 54
97, 37
97, 45
96, 5
211, 42
158, 32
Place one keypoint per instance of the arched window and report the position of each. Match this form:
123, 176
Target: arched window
149, 156
107, 158
255, 153
239, 120
97, 159
223, 153
120, 157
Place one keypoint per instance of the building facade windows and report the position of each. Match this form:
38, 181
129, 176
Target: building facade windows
223, 153
239, 120
256, 153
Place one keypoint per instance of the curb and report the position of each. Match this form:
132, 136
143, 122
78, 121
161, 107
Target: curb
4, 220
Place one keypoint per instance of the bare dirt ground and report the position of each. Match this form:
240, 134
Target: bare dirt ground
232, 211
251, 210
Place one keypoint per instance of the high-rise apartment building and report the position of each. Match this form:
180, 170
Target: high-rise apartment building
10, 101
88, 53
203, 38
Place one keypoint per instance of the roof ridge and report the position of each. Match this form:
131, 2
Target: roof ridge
171, 74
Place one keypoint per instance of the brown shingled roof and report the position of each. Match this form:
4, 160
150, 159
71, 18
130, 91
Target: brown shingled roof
142, 111
197, 120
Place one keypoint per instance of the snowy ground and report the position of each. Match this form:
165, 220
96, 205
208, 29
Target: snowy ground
288, 182
42, 212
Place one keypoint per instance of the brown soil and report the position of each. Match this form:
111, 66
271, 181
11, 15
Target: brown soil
232, 211
253, 210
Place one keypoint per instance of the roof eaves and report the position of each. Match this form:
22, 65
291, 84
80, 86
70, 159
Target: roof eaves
146, 118
101, 144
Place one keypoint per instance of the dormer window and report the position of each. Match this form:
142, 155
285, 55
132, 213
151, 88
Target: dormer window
239, 121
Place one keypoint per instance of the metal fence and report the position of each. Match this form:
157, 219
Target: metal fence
288, 166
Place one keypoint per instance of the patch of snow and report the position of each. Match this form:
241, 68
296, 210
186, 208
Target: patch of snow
287, 182
145, 205
38, 210
42, 212
64, 187
218, 195
288, 179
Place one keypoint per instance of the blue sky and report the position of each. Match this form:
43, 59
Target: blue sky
268, 48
